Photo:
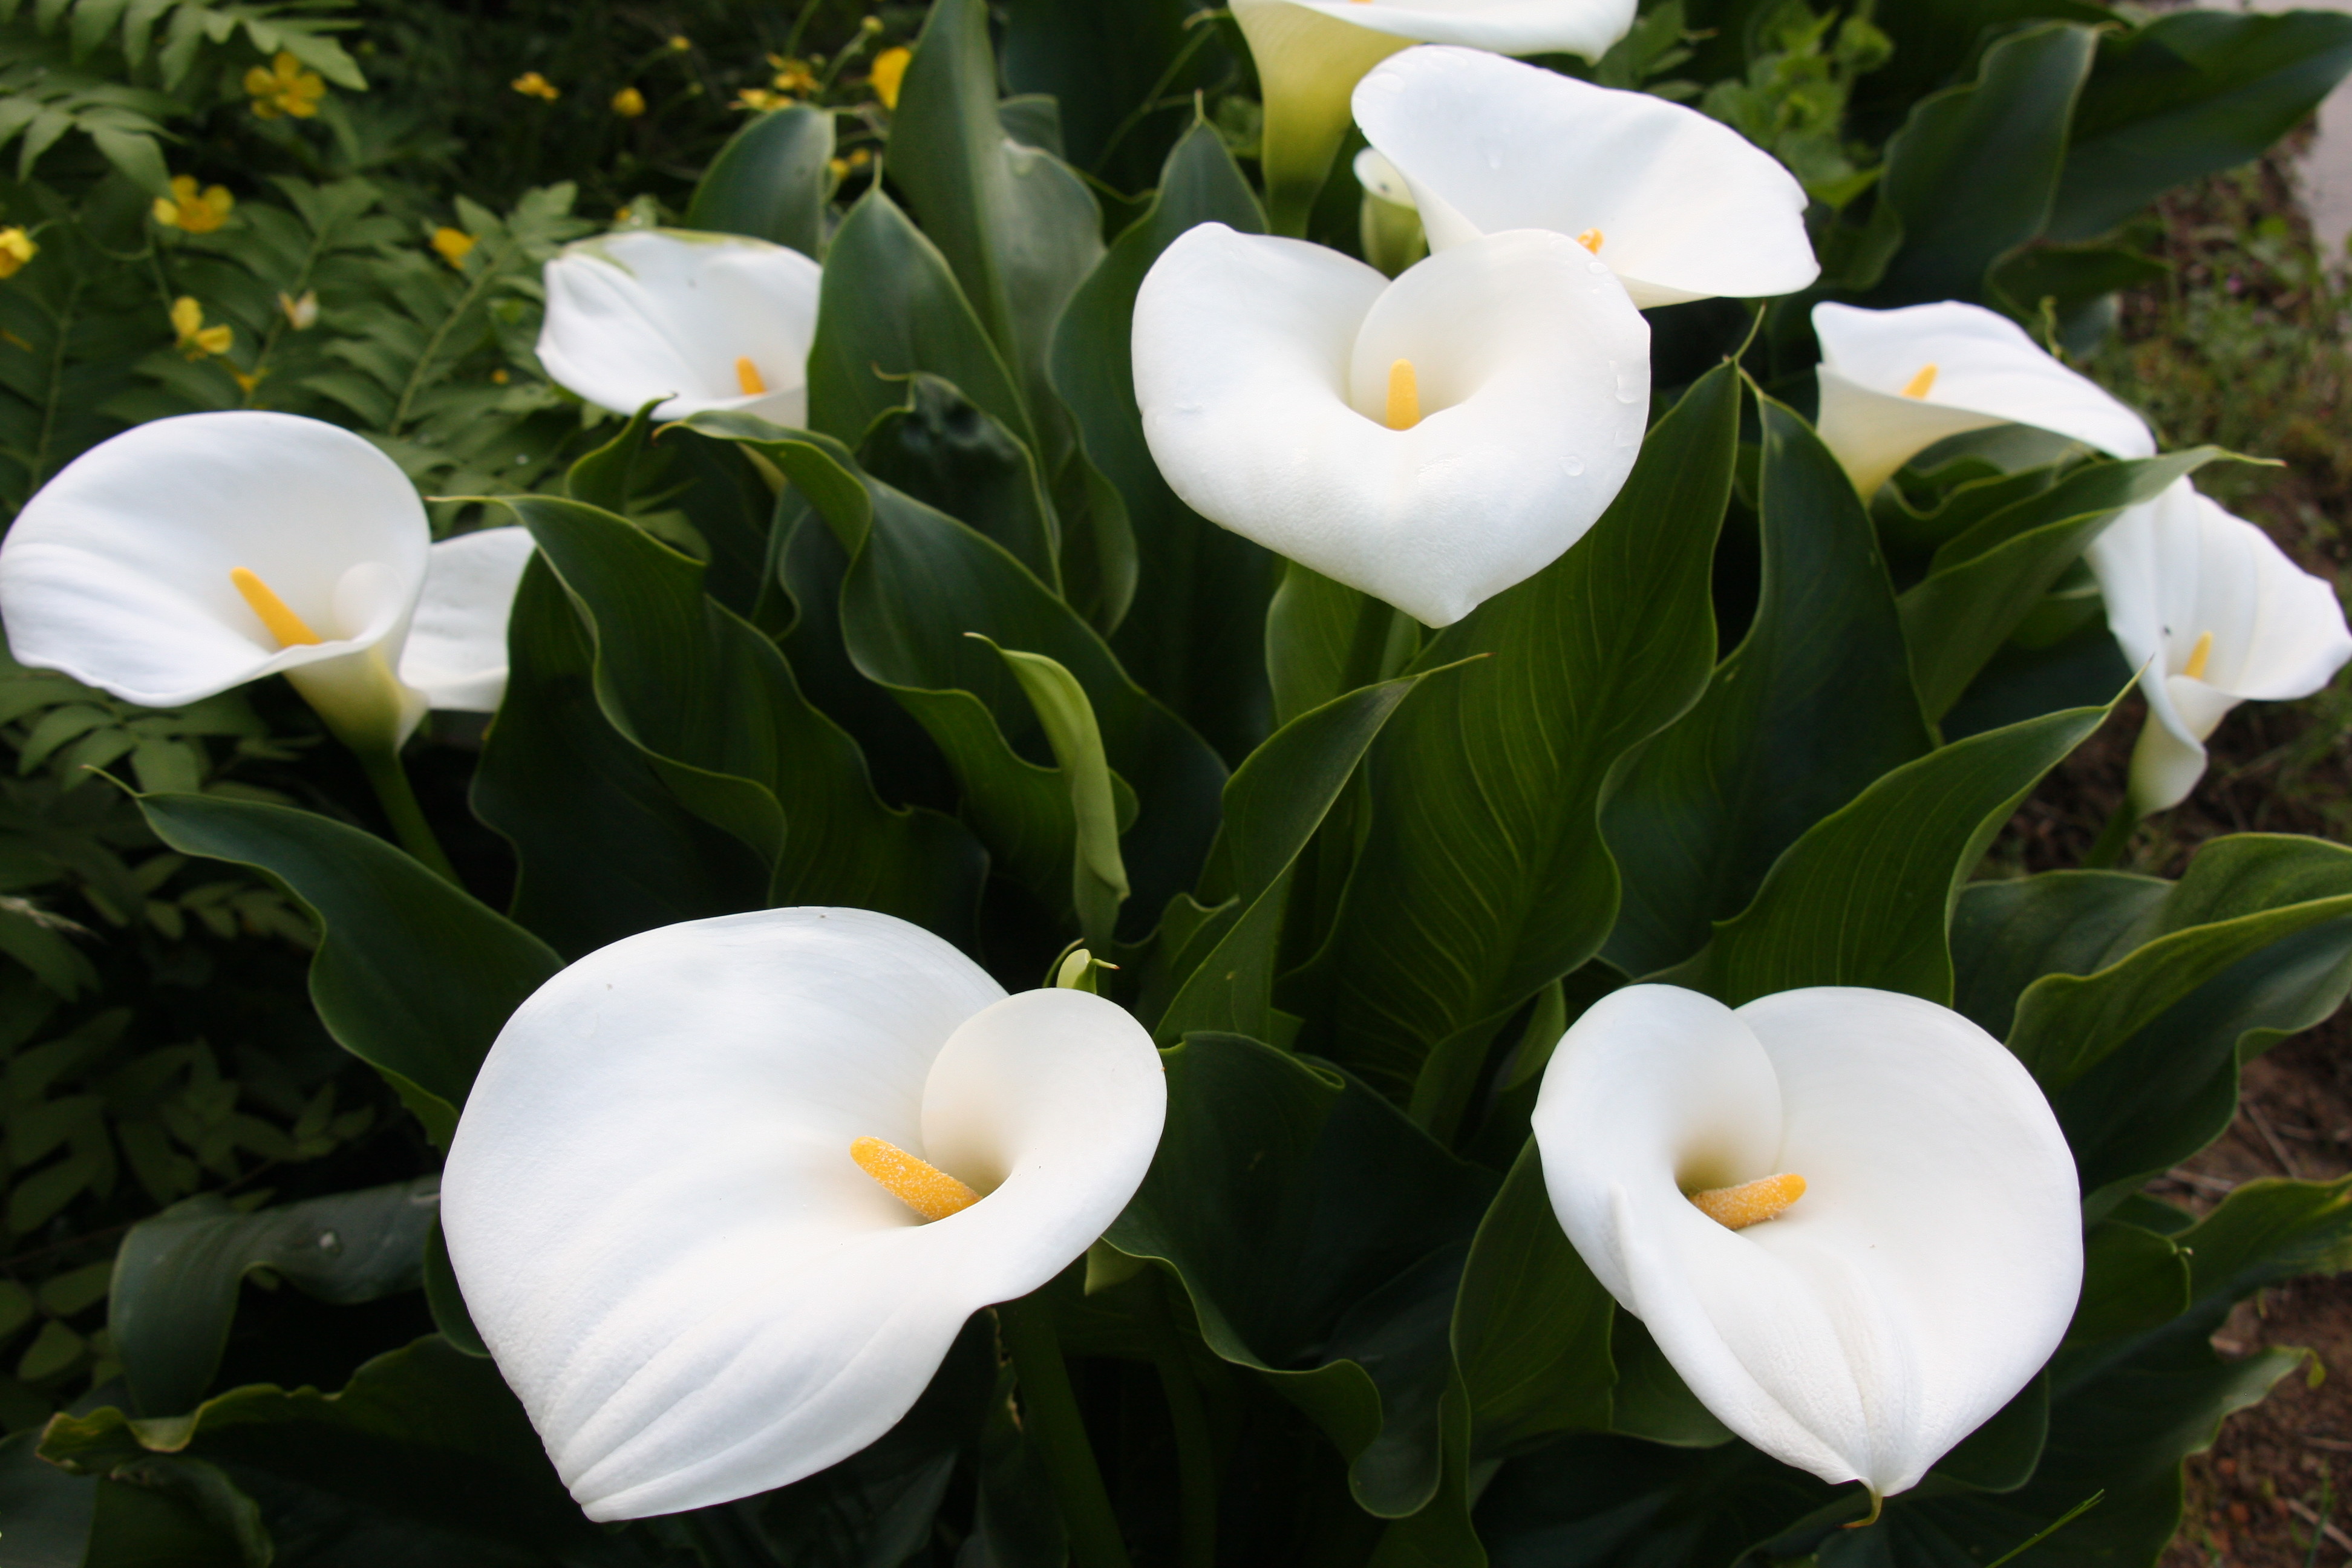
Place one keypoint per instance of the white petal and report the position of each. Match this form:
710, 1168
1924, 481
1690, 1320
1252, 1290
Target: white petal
1584, 27
652, 1209
118, 571
456, 653
1987, 371
1928, 1272
663, 313
1684, 207
1261, 367
1379, 179
2180, 568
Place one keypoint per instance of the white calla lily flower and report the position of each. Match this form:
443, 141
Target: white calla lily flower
191, 554
1895, 383
1680, 206
704, 321
682, 1201
1847, 1216
1311, 53
1430, 441
2213, 614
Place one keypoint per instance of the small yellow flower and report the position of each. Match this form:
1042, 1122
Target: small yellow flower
197, 340
889, 70
300, 314
191, 211
681, 42
758, 98
452, 245
16, 248
247, 380
531, 84
501, 376
793, 77
285, 88
628, 104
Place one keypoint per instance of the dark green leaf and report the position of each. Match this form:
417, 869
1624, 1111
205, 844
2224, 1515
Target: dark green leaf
1973, 170
47, 1510
2189, 95
1811, 708
413, 976
1098, 875
1320, 1237
770, 181
1114, 73
1483, 877
1196, 639
949, 453
177, 1275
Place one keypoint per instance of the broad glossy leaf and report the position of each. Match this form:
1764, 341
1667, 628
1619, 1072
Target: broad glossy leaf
1811, 708
2187, 95
1598, 1502
1098, 875
1196, 639
1273, 804
180, 1512
424, 1449
47, 1510
1531, 1324
713, 706
2133, 1280
413, 976
1483, 877
1985, 579
1973, 170
1938, 42
891, 305
603, 848
176, 1276
949, 453
770, 181
1320, 1236
2078, 284
1017, 225
1112, 71
1865, 897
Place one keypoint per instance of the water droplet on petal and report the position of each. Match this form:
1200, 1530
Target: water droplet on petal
1596, 267
1573, 467
330, 1242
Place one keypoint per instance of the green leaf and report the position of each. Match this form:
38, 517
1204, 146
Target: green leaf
1482, 875
1808, 709
1603, 1501
2187, 95
770, 181
1273, 804
1196, 639
1984, 581
413, 976
949, 453
1098, 875
47, 1510
889, 305
1319, 1234
1017, 225
604, 849
1123, 78
2078, 283
2133, 1280
1973, 170
177, 1277
424, 1448
1865, 897
1531, 1324
712, 705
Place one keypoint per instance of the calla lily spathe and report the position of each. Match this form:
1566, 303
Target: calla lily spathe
2213, 614
124, 571
1895, 383
704, 321
653, 1206
1310, 54
1680, 206
1430, 441
1926, 1273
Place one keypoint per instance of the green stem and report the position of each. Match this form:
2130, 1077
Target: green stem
2113, 838
1196, 1467
1051, 1409
408, 824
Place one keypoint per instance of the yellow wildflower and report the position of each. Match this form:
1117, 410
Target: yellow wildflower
285, 88
247, 380
16, 248
300, 314
628, 104
758, 99
452, 245
531, 84
501, 376
889, 70
197, 340
191, 211
793, 77
681, 42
